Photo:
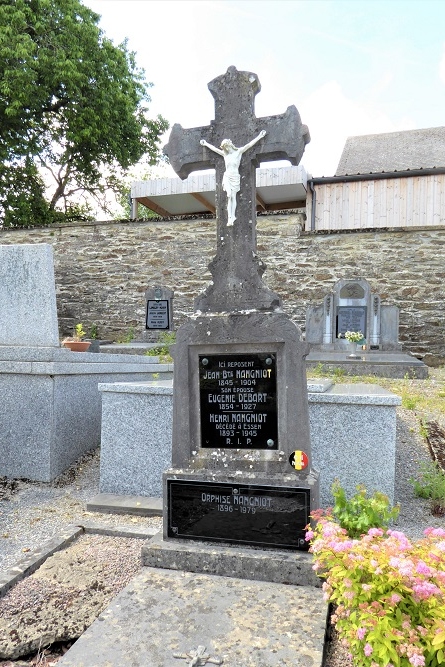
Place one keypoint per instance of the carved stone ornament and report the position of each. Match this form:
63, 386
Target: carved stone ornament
198, 657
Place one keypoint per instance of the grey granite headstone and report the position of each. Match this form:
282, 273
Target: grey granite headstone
51, 407
28, 313
352, 306
240, 406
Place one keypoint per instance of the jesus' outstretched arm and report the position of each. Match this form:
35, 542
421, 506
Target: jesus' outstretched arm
253, 142
203, 142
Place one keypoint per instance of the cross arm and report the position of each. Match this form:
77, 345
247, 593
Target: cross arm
185, 151
286, 137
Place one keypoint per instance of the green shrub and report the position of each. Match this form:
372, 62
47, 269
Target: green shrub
388, 593
126, 338
360, 513
431, 485
409, 402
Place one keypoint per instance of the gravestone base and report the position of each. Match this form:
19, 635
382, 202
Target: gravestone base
279, 566
245, 508
370, 362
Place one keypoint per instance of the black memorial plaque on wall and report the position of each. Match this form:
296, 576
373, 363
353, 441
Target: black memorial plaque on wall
238, 513
157, 314
351, 318
238, 401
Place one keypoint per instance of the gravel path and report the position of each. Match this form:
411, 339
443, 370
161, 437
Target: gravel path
35, 512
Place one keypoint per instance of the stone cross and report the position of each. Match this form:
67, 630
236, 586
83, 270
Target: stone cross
236, 269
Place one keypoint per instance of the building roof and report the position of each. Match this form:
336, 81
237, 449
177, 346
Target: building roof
393, 151
277, 188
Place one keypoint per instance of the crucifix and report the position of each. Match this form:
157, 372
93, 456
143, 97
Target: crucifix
236, 269
199, 657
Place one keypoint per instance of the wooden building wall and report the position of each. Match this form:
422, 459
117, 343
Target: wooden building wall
384, 203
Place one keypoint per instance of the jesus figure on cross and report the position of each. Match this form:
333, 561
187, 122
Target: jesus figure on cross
231, 179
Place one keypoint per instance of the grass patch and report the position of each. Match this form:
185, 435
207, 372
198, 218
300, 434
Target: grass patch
431, 485
162, 350
425, 397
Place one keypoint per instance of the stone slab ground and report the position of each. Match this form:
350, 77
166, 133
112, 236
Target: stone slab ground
163, 613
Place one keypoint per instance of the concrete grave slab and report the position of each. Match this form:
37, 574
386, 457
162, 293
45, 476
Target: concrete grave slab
163, 616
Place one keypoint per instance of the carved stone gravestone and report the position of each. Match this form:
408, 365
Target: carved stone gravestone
241, 456
352, 306
159, 309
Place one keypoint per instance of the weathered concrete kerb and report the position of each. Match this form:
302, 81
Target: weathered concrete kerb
56, 592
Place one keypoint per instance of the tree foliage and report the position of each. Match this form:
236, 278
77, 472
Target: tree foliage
71, 103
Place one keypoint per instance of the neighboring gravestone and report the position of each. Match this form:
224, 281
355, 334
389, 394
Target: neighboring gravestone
27, 296
159, 309
241, 456
352, 306
51, 406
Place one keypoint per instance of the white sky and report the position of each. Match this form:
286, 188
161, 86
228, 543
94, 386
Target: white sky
350, 66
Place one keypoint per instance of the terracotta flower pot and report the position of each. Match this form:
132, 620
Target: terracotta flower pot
77, 345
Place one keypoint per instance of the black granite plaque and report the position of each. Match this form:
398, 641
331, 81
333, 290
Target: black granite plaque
238, 401
157, 314
254, 515
351, 318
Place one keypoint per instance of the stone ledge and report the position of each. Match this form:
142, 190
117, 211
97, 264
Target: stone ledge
357, 394
138, 532
379, 364
150, 387
119, 504
281, 567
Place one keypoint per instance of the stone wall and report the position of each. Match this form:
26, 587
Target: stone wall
103, 269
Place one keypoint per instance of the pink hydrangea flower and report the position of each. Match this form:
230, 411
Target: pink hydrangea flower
422, 568
417, 660
434, 532
425, 590
330, 530
368, 650
394, 561
406, 568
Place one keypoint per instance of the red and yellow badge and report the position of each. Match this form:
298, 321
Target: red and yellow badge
299, 460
